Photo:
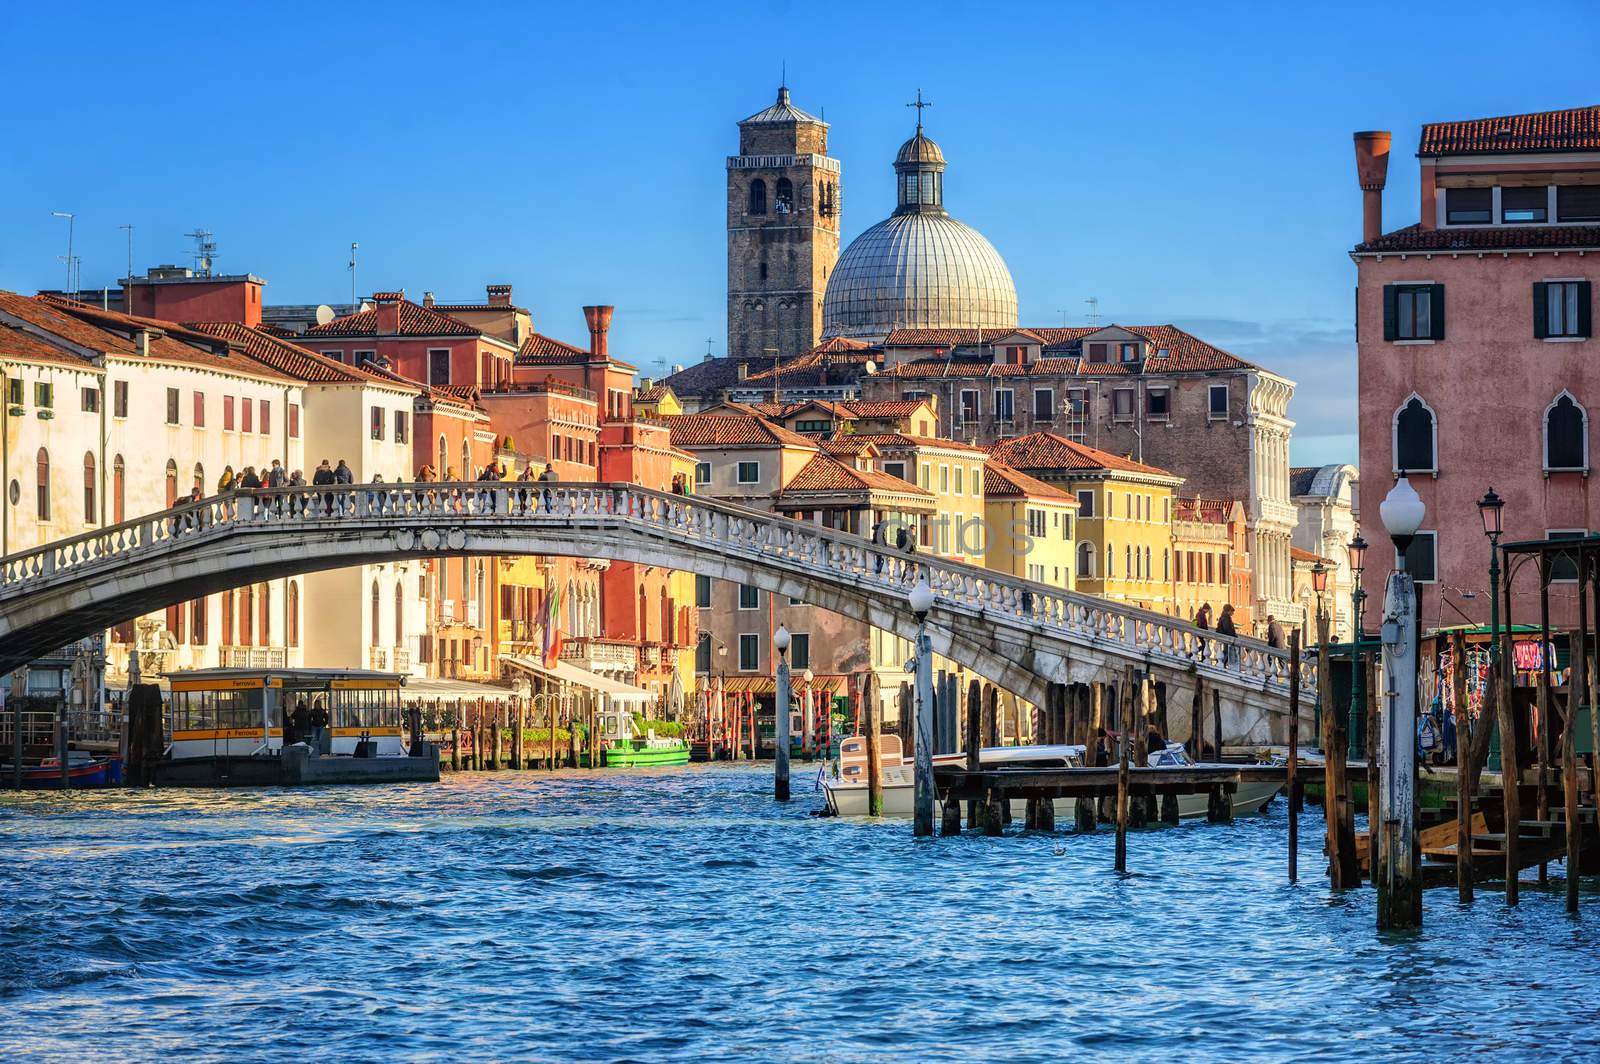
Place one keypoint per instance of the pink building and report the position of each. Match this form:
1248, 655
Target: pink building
1477, 365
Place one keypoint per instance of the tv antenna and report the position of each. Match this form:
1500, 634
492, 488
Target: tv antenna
129, 230
67, 258
352, 264
205, 250
1094, 310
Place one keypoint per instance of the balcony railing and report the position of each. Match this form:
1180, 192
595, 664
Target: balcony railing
253, 657
401, 660
598, 652
377, 659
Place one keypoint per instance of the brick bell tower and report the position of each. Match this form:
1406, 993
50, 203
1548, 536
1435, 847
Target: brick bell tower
783, 233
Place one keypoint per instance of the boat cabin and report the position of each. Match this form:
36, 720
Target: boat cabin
240, 712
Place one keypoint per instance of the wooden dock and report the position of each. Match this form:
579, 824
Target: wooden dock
963, 784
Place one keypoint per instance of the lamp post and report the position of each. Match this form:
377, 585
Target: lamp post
1399, 886
808, 720
722, 688
1358, 700
920, 598
1490, 509
780, 717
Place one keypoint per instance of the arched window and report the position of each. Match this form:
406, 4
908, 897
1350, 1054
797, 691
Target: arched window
226, 635
1111, 560
119, 491
467, 472
1416, 438
42, 495
1566, 435
444, 460
197, 622
172, 482
783, 203
377, 603
90, 514
1086, 560
1148, 572
247, 614
1127, 563
399, 614
200, 478
292, 618
265, 627
758, 196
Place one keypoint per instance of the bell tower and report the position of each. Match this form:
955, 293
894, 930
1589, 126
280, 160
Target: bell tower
783, 233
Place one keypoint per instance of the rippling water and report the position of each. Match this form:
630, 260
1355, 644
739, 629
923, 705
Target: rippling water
682, 913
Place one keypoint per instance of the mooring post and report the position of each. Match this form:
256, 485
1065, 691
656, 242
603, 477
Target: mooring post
1400, 884
1291, 782
494, 740
780, 718
1216, 721
61, 747
992, 822
16, 738
950, 815
550, 715
455, 745
516, 736
1569, 770
1197, 728
974, 761
921, 601
869, 720
1122, 773
1371, 692
1464, 727
1219, 805
1510, 768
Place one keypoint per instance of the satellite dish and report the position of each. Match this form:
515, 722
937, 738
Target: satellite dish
871, 367
324, 314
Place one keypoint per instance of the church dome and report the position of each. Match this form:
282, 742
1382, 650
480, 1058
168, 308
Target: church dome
919, 268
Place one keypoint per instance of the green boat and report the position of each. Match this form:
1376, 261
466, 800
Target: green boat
630, 741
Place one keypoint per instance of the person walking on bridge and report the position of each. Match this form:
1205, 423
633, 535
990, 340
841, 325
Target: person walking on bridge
1225, 627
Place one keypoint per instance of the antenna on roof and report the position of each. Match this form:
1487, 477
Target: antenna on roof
129, 230
1094, 310
205, 250
352, 264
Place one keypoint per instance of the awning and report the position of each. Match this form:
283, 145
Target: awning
766, 685
416, 688
566, 672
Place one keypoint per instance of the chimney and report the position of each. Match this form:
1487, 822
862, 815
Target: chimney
599, 319
388, 308
499, 294
427, 299
744, 369
1372, 171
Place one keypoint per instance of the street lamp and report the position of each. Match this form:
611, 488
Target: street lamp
780, 717
1358, 561
1398, 882
920, 599
1490, 509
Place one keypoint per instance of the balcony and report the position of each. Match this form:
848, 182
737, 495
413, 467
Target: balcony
401, 659
377, 659
253, 657
593, 651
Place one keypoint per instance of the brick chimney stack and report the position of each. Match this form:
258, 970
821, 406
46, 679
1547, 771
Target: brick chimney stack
499, 295
599, 319
388, 308
1372, 171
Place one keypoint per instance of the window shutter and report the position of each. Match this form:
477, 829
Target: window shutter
1436, 310
1391, 326
1541, 310
1583, 309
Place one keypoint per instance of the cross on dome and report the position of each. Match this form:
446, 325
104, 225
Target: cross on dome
919, 104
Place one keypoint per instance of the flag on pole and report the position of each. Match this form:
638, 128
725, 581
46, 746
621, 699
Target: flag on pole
552, 632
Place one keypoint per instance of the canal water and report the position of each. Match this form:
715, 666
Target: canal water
682, 914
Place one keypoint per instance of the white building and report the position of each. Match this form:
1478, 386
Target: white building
1325, 501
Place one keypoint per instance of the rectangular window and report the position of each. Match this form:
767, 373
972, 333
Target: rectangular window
1086, 503
1413, 312
1561, 309
1217, 399
1129, 352
1523, 205
172, 406
800, 650
896, 469
1044, 404
1003, 400
227, 413
119, 398
1578, 203
1099, 352
377, 423
969, 405
402, 426
294, 421
1468, 206
748, 472
1122, 404
749, 597
438, 367
813, 425
1036, 523
961, 480
91, 400
337, 356
1422, 558
944, 480
266, 418
247, 419
702, 472
749, 652
1158, 404
199, 410
364, 357
702, 592
702, 654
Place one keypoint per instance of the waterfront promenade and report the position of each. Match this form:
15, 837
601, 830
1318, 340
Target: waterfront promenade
684, 915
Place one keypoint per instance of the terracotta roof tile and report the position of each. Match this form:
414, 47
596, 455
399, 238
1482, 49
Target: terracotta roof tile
731, 430
1298, 555
1047, 451
415, 320
18, 344
905, 439
823, 473
294, 360
541, 350
1208, 511
1062, 352
1575, 129
1000, 481
1507, 238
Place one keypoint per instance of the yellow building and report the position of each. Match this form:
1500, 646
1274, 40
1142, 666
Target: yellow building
651, 399
1029, 526
1124, 522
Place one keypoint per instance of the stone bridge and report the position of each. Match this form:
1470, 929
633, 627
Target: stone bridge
1015, 633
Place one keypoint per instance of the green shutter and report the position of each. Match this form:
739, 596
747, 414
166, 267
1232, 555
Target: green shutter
1436, 310
1541, 310
1391, 318
1583, 309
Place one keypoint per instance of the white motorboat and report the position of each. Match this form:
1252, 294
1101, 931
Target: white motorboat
844, 780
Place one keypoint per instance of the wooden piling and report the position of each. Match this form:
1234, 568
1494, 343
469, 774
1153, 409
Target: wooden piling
1569, 773
949, 817
1219, 805
1083, 815
1510, 772
993, 819
494, 742
869, 714
516, 738
1169, 809
991, 714
1216, 722
550, 720
1122, 774
1097, 694
1464, 727
1374, 778
974, 762
455, 746
1292, 784
1197, 719
1343, 870
1045, 818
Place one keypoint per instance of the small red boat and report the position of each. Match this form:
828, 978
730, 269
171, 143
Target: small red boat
82, 772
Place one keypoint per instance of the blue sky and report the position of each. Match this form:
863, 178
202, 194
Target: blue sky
1179, 162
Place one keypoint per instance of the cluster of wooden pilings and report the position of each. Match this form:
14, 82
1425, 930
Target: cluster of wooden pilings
483, 735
